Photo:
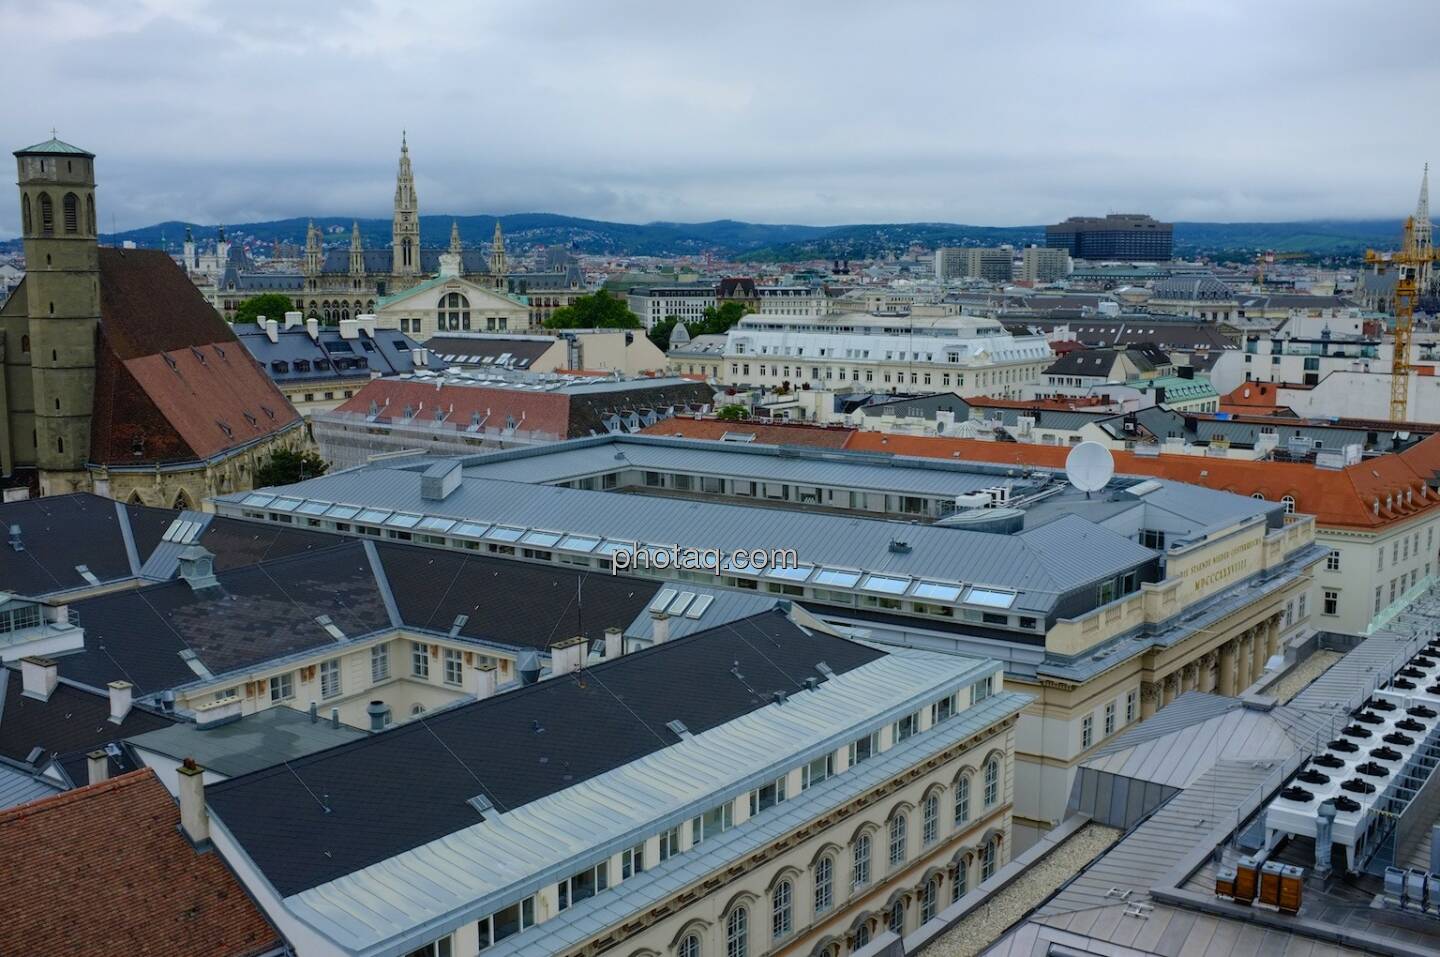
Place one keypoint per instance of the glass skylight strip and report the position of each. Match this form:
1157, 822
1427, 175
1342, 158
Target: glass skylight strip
663, 599
470, 530
342, 511
886, 584
836, 578
313, 508
403, 520
540, 538
697, 608
436, 524
285, 504
796, 574
990, 598
505, 533
374, 516
579, 543
678, 606
257, 498
937, 591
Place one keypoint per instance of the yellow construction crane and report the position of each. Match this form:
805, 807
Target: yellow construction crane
1269, 258
1408, 263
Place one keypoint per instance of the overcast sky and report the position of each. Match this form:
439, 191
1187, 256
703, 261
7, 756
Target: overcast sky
778, 111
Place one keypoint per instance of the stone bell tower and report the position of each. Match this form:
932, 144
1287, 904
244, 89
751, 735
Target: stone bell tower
62, 293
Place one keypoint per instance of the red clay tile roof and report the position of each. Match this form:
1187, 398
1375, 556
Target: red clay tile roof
104, 870
1336, 497
547, 412
171, 377
765, 434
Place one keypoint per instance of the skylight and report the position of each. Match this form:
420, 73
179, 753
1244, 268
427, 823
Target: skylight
403, 520
883, 583
836, 578
937, 591
990, 598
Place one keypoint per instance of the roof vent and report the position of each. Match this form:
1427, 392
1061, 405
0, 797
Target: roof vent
899, 547
678, 727
197, 567
824, 669
481, 803
16, 542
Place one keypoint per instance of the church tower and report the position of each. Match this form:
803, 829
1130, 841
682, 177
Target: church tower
357, 253
497, 258
1423, 229
62, 295
405, 229
314, 257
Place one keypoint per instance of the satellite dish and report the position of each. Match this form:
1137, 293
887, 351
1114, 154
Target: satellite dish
1089, 466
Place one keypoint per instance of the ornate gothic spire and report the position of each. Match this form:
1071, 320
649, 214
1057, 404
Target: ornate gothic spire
497, 253
454, 236
405, 227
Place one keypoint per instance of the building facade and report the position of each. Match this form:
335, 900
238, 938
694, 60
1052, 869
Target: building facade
1131, 237
686, 301
992, 265
1041, 264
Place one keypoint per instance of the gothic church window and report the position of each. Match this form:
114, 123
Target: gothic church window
454, 312
71, 204
47, 214
25, 213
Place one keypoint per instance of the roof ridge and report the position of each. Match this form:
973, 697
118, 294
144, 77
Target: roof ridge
66, 798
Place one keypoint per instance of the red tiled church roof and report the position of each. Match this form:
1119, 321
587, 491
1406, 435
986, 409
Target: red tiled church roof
173, 384
104, 870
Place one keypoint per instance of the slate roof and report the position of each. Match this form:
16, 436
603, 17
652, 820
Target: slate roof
20, 787
75, 885
71, 724
514, 748
258, 613
1085, 362
329, 357
509, 602
172, 383
260, 740
521, 352
59, 533
714, 429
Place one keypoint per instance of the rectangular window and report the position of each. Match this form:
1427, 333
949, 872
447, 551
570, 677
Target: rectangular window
1379, 602
713, 822
863, 749
981, 690
584, 885
1130, 699
419, 659
1109, 719
330, 678
767, 796
906, 727
454, 671
504, 923
379, 662
817, 771
1332, 602
632, 861
1332, 561
1087, 731
669, 844
282, 687
436, 948
942, 709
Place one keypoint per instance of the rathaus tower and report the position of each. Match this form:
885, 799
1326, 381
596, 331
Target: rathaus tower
405, 228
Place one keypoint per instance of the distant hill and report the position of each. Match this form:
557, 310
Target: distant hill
759, 242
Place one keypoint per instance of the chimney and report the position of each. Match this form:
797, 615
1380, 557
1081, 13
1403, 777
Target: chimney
38, 677
420, 357
197, 567
312, 328
567, 656
97, 766
660, 627
122, 694
349, 328
529, 667
194, 819
335, 718
368, 322
293, 319
485, 681
272, 329
379, 715
614, 643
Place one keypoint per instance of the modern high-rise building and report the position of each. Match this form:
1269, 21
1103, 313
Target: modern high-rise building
1040, 264
1126, 236
953, 262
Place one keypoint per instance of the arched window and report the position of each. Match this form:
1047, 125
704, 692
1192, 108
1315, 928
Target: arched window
962, 799
897, 839
960, 883
929, 899
860, 861
24, 343
897, 916
824, 884
454, 311
405, 252
992, 782
862, 935
782, 910
59, 443
1289, 502
25, 214
930, 817
737, 933
689, 947
1258, 495
987, 860
71, 205
47, 215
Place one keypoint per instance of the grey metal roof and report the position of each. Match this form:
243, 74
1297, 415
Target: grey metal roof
1026, 562
21, 787
1228, 792
256, 741
1197, 730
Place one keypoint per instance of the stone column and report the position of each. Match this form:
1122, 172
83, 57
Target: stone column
1274, 634
1227, 669
1167, 688
1190, 677
1245, 658
1207, 672
1261, 645
1149, 700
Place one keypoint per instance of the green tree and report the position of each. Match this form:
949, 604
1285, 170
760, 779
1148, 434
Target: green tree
271, 305
719, 319
599, 310
286, 467
732, 413
660, 332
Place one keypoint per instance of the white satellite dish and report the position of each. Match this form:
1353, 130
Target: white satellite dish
1089, 466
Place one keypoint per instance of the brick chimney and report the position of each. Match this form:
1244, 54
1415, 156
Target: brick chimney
122, 695
97, 766
567, 656
194, 818
38, 677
